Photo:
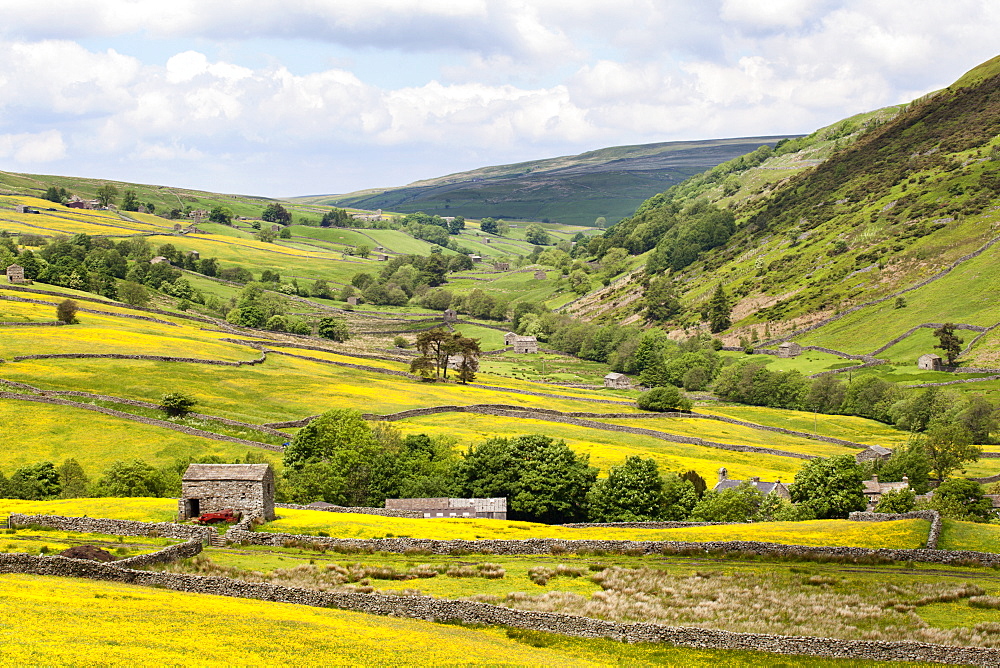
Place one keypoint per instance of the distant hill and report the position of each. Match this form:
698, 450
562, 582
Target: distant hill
895, 210
609, 183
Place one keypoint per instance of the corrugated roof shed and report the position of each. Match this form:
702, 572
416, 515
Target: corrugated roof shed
225, 472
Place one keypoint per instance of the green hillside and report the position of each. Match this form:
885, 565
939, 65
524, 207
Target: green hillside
578, 189
856, 212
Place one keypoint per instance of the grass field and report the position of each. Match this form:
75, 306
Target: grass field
847, 427
722, 432
963, 296
956, 535
44, 541
610, 448
55, 621
56, 433
901, 534
141, 509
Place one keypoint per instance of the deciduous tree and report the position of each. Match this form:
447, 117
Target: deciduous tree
832, 487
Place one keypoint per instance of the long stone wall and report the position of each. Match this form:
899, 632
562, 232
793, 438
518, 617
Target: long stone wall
557, 545
643, 525
114, 527
470, 612
149, 358
166, 555
384, 512
54, 323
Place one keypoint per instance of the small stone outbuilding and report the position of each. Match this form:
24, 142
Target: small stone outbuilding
789, 349
244, 488
494, 509
930, 362
501, 266
159, 259
540, 275
450, 315
873, 452
618, 381
476, 259
15, 273
353, 301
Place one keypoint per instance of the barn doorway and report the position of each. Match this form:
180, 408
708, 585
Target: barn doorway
193, 507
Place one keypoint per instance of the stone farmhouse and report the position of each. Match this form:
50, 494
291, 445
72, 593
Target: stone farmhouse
873, 452
930, 362
618, 381
521, 344
244, 488
789, 349
765, 488
874, 489
15, 273
494, 509
369, 217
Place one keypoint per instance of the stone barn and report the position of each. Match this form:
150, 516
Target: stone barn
15, 273
494, 509
930, 362
353, 301
450, 315
159, 259
873, 452
501, 266
540, 275
521, 344
789, 349
618, 381
244, 488
525, 345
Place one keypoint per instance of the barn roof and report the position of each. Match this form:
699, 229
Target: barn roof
226, 472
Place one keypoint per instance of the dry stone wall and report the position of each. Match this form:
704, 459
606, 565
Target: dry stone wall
470, 612
556, 545
166, 555
150, 358
114, 527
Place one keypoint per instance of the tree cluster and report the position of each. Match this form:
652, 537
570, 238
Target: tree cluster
439, 349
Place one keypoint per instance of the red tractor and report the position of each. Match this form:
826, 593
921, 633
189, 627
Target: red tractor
227, 516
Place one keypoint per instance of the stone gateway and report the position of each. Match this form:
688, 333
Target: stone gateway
245, 488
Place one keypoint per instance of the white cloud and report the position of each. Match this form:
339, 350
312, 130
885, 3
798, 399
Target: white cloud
524, 78
32, 148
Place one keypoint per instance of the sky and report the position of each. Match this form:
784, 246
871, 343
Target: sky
301, 97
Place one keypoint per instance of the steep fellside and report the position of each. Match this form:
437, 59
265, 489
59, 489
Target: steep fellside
901, 204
